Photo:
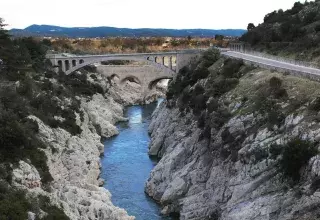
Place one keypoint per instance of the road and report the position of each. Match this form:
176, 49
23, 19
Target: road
273, 63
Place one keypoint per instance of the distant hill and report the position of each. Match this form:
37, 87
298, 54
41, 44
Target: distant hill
90, 32
294, 33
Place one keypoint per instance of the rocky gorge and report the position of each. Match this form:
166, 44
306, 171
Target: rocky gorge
236, 142
74, 160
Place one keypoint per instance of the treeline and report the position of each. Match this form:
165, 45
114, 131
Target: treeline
294, 30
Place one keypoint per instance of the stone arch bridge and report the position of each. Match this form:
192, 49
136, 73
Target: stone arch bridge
168, 63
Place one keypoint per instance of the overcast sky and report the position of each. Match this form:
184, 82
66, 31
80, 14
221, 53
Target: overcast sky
209, 14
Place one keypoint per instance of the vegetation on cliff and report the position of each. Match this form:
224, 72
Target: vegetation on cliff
213, 88
29, 87
294, 32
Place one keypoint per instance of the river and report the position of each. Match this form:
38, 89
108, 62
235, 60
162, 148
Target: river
126, 165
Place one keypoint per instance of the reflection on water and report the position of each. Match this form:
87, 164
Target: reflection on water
126, 165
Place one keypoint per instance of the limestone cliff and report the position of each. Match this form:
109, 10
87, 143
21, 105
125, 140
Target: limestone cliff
74, 162
236, 143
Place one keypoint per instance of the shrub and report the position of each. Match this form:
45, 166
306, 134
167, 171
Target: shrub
280, 93
231, 68
116, 62
201, 120
199, 73
210, 56
219, 118
260, 154
26, 87
227, 138
275, 83
198, 103
94, 77
295, 154
13, 203
198, 90
90, 68
206, 133
212, 105
53, 212
49, 74
185, 97
315, 105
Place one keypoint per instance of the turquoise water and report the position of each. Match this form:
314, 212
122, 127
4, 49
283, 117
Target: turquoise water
126, 165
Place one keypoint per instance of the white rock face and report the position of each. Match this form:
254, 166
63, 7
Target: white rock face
194, 179
26, 176
104, 113
74, 163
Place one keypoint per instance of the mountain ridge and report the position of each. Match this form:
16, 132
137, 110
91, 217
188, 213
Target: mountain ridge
105, 31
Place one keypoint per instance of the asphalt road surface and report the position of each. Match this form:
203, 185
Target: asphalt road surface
274, 63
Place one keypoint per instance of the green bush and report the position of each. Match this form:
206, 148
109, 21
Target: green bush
212, 105
295, 154
275, 83
210, 56
231, 68
53, 212
218, 118
206, 133
201, 120
276, 89
13, 203
315, 105
198, 103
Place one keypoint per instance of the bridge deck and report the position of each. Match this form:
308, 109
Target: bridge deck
60, 56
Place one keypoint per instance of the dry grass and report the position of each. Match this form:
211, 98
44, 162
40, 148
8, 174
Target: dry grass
297, 88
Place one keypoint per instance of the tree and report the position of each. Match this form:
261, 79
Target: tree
251, 26
219, 37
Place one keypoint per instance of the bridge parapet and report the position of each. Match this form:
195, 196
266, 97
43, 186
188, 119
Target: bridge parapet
169, 61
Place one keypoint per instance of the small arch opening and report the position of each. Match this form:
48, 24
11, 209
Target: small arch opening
67, 64
81, 61
160, 84
131, 79
166, 61
114, 78
60, 65
74, 63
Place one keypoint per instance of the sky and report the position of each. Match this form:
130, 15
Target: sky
177, 14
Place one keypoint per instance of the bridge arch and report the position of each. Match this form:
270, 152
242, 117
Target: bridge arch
154, 82
83, 63
114, 75
130, 78
67, 65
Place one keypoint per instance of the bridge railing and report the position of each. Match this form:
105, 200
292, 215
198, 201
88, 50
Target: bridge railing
284, 59
279, 58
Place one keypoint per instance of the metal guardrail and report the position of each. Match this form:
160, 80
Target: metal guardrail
279, 58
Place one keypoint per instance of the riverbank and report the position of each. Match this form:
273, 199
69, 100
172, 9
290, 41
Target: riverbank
73, 160
126, 164
237, 143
